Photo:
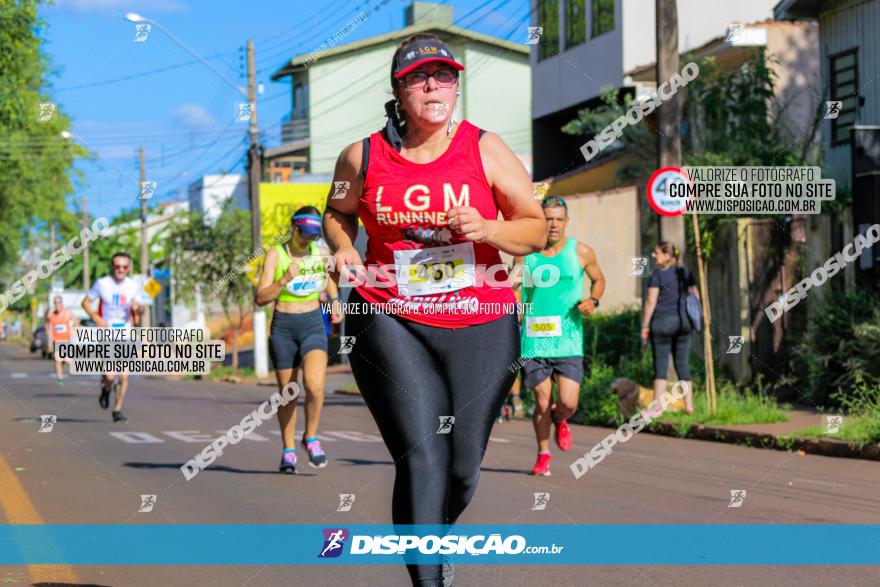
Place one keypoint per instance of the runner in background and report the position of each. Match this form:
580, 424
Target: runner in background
553, 330
294, 275
59, 327
116, 295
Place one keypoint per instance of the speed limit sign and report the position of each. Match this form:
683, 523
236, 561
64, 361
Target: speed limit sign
659, 195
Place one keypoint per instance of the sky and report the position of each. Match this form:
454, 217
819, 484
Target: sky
122, 94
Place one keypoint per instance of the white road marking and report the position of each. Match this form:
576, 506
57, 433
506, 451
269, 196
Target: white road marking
136, 437
189, 436
355, 436
18, 375
195, 436
252, 436
501, 440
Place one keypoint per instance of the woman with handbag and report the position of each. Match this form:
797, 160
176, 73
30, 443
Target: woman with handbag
667, 321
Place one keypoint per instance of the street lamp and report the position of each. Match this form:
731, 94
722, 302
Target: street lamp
137, 18
261, 362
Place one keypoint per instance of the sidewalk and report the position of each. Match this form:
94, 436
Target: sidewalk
778, 436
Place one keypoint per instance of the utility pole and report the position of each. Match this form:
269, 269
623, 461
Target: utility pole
669, 113
87, 284
145, 255
669, 154
145, 263
261, 356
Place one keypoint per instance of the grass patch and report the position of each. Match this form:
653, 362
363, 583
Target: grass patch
219, 372
859, 430
224, 371
734, 407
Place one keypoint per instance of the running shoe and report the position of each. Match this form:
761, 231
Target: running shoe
542, 465
563, 436
119, 417
317, 458
60, 383
104, 400
288, 462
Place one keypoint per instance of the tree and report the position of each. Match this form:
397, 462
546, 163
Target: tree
728, 120
203, 255
35, 159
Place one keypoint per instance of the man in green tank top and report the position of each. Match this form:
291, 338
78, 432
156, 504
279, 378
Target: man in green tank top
556, 300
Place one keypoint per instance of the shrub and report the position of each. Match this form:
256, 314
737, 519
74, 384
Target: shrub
841, 347
597, 404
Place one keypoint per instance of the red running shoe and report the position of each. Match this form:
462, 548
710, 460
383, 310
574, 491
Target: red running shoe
563, 436
542, 465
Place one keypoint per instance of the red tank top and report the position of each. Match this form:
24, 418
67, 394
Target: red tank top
416, 267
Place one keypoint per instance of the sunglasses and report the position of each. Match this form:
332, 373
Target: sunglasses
444, 77
120, 266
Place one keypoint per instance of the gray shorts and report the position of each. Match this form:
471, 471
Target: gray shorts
536, 371
294, 335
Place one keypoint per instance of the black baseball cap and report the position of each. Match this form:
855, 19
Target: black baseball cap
423, 51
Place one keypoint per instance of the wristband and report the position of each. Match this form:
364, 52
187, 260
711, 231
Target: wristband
595, 301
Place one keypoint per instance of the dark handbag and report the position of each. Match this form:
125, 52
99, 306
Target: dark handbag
691, 304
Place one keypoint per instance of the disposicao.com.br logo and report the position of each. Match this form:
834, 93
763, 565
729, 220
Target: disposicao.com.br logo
430, 544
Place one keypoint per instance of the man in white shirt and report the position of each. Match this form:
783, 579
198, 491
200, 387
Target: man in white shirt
116, 295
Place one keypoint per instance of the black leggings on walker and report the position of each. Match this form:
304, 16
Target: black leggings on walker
411, 376
671, 333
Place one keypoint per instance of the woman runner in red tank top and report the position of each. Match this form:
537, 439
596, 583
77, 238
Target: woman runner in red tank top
432, 316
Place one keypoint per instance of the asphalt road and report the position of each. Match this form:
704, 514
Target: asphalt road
89, 470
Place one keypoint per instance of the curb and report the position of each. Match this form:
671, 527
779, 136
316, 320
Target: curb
816, 446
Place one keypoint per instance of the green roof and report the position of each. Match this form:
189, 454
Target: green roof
301, 61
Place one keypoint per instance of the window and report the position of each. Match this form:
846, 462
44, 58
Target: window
548, 18
575, 23
603, 17
844, 88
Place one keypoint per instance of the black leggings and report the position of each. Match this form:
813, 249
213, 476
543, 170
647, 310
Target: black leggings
410, 375
671, 333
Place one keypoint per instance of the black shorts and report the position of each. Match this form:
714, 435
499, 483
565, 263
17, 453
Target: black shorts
294, 335
537, 370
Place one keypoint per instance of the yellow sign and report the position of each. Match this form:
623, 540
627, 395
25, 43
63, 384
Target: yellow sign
33, 304
153, 288
278, 202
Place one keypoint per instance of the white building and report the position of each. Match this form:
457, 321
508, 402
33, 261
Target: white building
588, 45
209, 194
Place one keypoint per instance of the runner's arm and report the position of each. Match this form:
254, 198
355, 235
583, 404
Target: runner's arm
48, 327
87, 306
267, 288
341, 214
524, 229
596, 288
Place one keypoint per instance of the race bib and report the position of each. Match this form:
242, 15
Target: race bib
543, 326
312, 278
303, 285
436, 269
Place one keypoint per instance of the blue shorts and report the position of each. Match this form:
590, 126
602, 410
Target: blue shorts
294, 335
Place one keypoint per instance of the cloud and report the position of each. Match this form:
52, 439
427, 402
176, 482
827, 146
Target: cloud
193, 116
117, 5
